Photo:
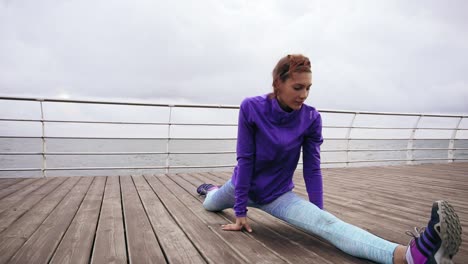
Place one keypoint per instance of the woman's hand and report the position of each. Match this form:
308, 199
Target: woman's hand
241, 222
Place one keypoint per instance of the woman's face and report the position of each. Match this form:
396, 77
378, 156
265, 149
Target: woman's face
294, 91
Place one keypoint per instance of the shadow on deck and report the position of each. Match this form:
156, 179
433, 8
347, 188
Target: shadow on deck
159, 219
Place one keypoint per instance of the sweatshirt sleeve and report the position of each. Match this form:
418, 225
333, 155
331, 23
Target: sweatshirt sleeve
311, 162
245, 159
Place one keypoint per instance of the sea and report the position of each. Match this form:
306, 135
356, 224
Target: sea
226, 160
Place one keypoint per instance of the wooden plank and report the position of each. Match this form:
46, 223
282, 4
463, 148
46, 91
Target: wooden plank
360, 190
212, 247
378, 185
143, 247
384, 200
244, 243
77, 243
353, 194
293, 241
5, 182
41, 245
443, 173
408, 183
418, 199
425, 195
17, 192
110, 243
15, 187
8, 216
420, 175
19, 232
378, 219
177, 246
369, 209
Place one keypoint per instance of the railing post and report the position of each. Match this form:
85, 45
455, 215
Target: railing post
452, 142
409, 147
348, 134
44, 146
168, 139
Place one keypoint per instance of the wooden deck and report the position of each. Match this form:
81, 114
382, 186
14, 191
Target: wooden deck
159, 219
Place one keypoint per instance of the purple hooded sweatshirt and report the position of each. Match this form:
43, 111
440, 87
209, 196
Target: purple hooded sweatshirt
269, 142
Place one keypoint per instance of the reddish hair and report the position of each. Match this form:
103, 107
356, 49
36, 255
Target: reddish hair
286, 66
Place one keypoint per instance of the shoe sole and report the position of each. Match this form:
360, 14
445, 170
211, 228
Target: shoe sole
450, 232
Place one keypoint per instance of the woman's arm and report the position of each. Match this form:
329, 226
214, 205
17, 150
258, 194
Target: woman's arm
311, 161
245, 168
245, 159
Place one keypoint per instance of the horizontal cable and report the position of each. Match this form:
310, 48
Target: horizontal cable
395, 128
118, 103
116, 122
121, 138
377, 150
389, 160
210, 106
225, 138
208, 166
140, 168
208, 152
387, 113
116, 153
211, 124
359, 150
405, 139
381, 160
20, 169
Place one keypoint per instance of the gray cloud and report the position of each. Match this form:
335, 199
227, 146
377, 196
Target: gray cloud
392, 56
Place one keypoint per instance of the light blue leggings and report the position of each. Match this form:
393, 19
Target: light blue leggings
305, 215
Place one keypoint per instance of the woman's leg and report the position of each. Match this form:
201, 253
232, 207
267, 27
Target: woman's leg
219, 199
351, 239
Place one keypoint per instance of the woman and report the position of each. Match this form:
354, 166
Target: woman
271, 131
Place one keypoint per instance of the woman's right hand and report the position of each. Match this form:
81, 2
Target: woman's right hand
241, 222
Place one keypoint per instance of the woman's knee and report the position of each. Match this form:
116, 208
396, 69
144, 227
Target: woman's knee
220, 199
209, 206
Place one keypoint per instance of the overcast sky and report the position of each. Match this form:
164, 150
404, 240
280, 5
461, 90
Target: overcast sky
401, 56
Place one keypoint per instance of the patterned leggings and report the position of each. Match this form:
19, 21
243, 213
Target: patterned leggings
306, 216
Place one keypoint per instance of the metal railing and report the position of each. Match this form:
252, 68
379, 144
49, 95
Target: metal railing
348, 138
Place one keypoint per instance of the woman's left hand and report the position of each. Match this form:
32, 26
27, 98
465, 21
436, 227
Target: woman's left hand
241, 222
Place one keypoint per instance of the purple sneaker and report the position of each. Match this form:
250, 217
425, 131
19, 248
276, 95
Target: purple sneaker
439, 241
205, 187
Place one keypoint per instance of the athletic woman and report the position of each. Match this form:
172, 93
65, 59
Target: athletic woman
272, 129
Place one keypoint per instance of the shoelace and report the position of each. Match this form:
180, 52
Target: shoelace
416, 233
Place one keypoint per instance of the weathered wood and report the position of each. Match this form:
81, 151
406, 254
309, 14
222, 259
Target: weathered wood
164, 214
110, 246
6, 182
177, 246
406, 182
295, 245
42, 244
387, 201
143, 247
11, 188
211, 246
18, 195
20, 231
13, 212
244, 243
289, 232
77, 242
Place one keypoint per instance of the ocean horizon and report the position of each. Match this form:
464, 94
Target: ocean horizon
143, 160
